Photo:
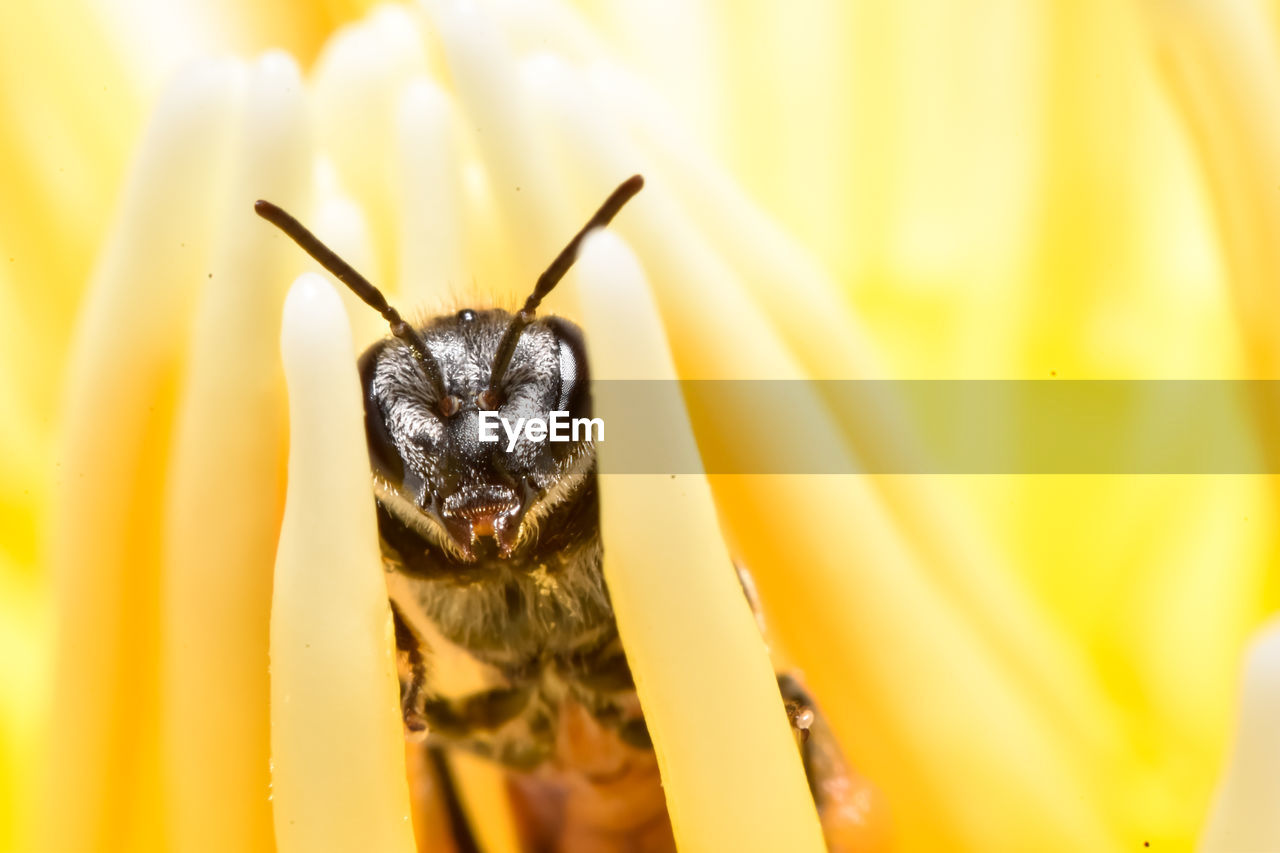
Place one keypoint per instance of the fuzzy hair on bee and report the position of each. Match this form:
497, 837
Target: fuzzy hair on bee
507, 644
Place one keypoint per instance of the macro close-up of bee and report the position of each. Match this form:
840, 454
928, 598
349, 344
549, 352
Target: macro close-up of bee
507, 643
624, 426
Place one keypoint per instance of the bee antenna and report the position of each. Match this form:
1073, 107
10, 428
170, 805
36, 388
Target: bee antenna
548, 280
363, 288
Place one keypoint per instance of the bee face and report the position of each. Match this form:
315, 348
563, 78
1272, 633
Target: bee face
425, 389
476, 499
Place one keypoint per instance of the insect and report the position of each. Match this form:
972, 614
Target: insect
507, 645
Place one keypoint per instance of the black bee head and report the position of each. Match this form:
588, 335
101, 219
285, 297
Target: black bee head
479, 495
430, 390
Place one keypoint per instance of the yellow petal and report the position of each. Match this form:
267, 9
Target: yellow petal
1245, 816
226, 489
338, 771
730, 767
110, 484
358, 81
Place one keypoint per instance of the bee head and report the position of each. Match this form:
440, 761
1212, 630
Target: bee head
478, 494
430, 389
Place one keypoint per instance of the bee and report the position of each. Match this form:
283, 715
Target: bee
506, 641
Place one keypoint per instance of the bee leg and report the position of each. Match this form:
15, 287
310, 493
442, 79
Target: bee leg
799, 712
440, 821
850, 808
818, 761
412, 664
463, 837
853, 815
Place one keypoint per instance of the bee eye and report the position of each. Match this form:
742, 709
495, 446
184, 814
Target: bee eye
382, 450
575, 389
466, 315
568, 376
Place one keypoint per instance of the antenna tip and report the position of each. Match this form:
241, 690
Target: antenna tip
264, 208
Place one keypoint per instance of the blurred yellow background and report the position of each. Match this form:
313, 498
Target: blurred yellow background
1017, 189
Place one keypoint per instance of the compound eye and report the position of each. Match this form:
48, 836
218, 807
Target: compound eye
575, 387
382, 450
568, 376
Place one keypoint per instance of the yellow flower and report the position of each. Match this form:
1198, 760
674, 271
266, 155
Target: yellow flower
1005, 190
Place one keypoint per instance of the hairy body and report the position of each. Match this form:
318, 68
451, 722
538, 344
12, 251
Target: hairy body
508, 647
